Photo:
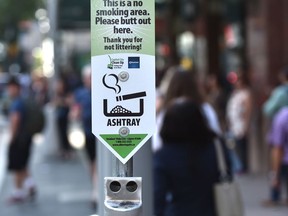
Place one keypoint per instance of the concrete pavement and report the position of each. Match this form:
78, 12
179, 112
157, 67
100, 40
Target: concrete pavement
255, 189
64, 188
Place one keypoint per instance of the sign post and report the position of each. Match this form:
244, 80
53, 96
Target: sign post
123, 78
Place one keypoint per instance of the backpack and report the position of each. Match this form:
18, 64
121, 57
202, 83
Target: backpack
35, 118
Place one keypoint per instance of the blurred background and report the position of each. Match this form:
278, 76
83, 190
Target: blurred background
43, 38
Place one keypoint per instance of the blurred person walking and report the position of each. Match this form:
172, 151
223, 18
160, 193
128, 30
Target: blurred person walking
62, 102
275, 111
278, 97
20, 146
185, 168
183, 83
278, 141
217, 97
81, 108
39, 87
239, 109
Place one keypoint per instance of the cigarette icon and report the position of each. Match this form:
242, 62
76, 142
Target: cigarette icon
131, 96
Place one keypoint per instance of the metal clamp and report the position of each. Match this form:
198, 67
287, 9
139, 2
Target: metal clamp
123, 196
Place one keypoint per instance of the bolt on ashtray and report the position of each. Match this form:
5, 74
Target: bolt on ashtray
124, 131
123, 76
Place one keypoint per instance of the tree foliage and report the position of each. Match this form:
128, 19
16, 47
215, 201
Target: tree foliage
13, 11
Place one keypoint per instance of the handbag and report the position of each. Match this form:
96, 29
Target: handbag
227, 196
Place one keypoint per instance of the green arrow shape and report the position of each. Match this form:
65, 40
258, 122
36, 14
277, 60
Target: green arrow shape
123, 145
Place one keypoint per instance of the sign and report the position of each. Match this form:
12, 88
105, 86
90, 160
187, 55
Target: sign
123, 74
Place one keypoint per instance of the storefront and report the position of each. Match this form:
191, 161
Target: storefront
223, 36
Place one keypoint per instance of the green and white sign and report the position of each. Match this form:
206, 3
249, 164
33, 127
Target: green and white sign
123, 74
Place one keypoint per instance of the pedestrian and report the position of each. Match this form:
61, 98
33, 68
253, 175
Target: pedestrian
82, 109
274, 110
278, 141
39, 88
20, 146
62, 102
239, 109
185, 168
183, 83
217, 97
278, 97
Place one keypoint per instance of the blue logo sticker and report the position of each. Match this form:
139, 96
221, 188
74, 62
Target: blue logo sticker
133, 62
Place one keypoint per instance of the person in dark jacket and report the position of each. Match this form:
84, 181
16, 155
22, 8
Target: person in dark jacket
20, 146
185, 168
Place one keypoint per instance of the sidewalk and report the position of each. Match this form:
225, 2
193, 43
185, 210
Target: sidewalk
64, 188
255, 189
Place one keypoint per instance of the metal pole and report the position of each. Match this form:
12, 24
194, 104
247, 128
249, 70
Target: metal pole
104, 168
109, 165
52, 7
142, 166
122, 170
123, 192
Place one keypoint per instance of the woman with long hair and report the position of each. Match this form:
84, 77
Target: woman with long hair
185, 168
184, 83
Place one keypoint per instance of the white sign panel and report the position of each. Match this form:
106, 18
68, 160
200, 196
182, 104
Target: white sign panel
123, 74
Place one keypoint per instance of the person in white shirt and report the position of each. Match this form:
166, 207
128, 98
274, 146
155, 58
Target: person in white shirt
239, 108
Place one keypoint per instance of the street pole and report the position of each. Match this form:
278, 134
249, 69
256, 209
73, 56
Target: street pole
52, 8
109, 165
142, 166
122, 170
104, 168
123, 100
105, 164
123, 192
